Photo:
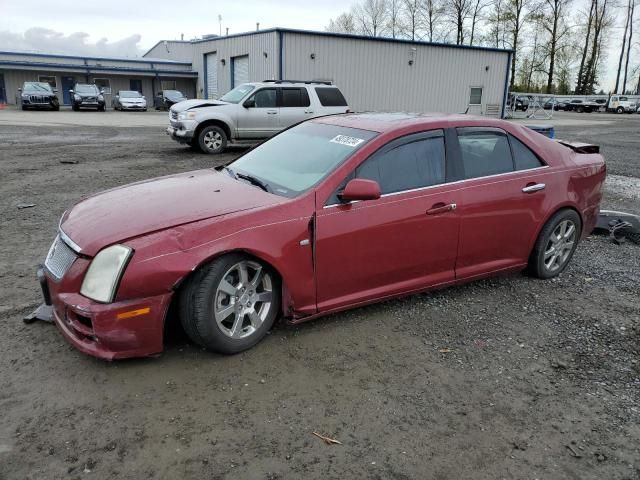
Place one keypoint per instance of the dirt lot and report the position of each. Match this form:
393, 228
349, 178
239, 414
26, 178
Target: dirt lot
505, 378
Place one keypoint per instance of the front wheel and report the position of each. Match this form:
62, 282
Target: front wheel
230, 305
212, 139
556, 244
619, 110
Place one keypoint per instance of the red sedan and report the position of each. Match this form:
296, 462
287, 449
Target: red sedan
328, 215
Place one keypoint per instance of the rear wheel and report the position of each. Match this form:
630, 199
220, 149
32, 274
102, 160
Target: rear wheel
212, 139
556, 244
619, 110
230, 304
580, 109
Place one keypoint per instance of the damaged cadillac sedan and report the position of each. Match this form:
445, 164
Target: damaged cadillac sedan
330, 214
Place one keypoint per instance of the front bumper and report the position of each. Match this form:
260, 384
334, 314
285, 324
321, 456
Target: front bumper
95, 328
132, 106
180, 133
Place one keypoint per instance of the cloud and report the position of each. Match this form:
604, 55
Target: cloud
39, 39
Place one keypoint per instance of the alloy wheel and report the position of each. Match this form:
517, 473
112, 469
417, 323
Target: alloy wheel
213, 140
560, 245
243, 299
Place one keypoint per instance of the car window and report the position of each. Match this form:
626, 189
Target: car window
524, 158
265, 98
295, 97
413, 164
330, 97
485, 153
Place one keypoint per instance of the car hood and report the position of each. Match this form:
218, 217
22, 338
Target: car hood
189, 104
144, 207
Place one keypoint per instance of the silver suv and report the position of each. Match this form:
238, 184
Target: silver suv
251, 112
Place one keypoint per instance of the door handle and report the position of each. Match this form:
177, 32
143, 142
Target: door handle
272, 112
441, 208
535, 187
308, 111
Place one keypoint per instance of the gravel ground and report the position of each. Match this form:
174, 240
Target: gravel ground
504, 378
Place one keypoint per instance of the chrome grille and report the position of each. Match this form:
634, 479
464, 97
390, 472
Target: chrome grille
59, 258
89, 99
38, 99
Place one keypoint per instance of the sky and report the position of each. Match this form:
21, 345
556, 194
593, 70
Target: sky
130, 28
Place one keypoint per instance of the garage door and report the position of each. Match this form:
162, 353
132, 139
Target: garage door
211, 68
240, 70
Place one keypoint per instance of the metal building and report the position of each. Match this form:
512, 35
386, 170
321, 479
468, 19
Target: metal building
375, 74
147, 75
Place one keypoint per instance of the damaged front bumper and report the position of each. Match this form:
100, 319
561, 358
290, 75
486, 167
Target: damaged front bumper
131, 328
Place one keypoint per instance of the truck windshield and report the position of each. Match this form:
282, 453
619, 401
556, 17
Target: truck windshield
237, 94
298, 158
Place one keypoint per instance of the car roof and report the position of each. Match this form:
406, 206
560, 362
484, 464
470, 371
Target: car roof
385, 122
285, 84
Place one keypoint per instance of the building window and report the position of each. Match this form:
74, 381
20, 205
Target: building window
475, 98
103, 84
48, 79
168, 85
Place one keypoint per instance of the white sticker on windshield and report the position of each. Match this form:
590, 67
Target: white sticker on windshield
347, 140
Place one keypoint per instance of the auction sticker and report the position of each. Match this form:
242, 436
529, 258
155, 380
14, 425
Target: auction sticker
347, 140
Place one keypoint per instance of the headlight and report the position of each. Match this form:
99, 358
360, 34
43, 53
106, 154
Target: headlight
77, 98
186, 115
101, 97
103, 276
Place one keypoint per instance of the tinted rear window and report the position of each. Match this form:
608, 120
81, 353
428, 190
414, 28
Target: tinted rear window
331, 97
523, 156
485, 153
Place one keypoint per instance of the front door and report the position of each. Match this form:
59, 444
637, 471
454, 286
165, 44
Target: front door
504, 200
404, 241
260, 120
67, 84
135, 84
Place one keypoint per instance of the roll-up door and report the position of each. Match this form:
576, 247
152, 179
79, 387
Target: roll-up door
240, 70
211, 65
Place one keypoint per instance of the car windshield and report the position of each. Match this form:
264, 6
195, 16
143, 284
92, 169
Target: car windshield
173, 94
37, 87
129, 94
237, 94
298, 158
86, 89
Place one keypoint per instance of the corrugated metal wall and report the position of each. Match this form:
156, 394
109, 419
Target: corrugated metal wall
256, 45
376, 75
173, 50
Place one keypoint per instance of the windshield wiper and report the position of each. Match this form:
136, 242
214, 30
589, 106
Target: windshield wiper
256, 181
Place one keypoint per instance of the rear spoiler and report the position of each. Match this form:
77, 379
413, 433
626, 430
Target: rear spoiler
580, 147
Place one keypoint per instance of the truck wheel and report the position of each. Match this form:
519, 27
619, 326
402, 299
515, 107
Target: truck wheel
619, 110
212, 139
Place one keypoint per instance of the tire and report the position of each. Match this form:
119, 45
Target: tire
556, 244
75, 108
219, 306
102, 109
580, 109
56, 108
619, 110
212, 139
23, 107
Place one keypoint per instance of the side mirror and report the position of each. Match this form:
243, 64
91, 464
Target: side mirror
71, 91
20, 90
251, 103
360, 189
102, 91
55, 90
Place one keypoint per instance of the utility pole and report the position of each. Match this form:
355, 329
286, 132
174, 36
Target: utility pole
220, 24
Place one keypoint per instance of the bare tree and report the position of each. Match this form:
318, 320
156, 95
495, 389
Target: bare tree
478, 6
554, 25
412, 16
394, 8
458, 12
433, 11
585, 49
602, 20
626, 65
515, 16
344, 23
370, 17
496, 24
624, 43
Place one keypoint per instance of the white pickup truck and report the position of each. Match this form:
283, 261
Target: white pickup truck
621, 104
251, 112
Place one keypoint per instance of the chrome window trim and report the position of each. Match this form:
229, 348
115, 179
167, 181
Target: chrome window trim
446, 183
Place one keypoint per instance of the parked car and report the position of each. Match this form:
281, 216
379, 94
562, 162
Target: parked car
38, 95
165, 99
518, 102
87, 95
333, 213
250, 112
621, 104
580, 106
129, 100
555, 104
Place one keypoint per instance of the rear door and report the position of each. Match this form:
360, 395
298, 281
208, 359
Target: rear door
261, 119
404, 241
504, 200
295, 106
